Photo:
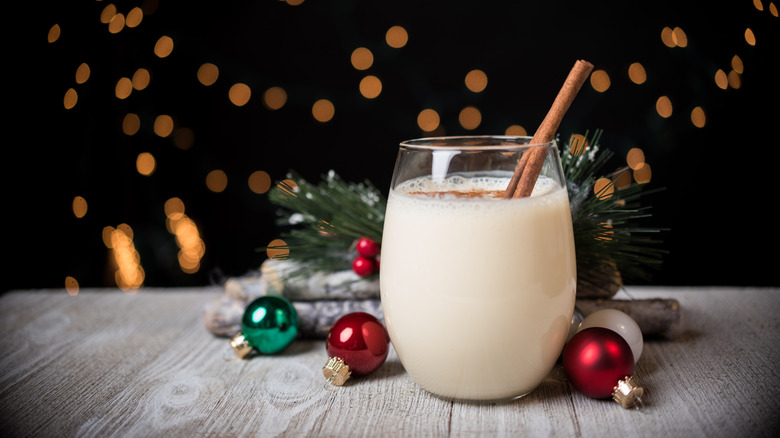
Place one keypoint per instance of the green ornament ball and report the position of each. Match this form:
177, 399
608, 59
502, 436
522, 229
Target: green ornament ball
269, 325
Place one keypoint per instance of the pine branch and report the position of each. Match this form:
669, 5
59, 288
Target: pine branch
606, 226
323, 221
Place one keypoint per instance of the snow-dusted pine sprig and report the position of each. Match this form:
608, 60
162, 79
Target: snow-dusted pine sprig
608, 218
321, 222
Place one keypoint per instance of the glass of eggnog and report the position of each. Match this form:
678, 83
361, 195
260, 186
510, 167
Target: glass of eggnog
477, 289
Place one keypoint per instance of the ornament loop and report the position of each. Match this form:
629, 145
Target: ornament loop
336, 371
240, 343
627, 393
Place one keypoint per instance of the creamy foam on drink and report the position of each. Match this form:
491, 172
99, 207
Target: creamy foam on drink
477, 292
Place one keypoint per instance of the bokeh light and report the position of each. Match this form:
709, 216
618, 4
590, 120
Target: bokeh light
145, 163
635, 158
428, 120
239, 94
141, 79
637, 73
131, 123
603, 188
663, 107
469, 118
54, 33
128, 274
396, 37
277, 250
698, 118
163, 125
71, 286
370, 87
163, 47
217, 180
362, 58
259, 182
323, 110
123, 88
600, 81
183, 137
82, 73
274, 98
516, 130
208, 74
70, 99
476, 81
79, 207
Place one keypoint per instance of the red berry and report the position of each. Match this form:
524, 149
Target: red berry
367, 247
364, 266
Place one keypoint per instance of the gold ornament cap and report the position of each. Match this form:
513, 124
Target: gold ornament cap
336, 371
240, 343
627, 393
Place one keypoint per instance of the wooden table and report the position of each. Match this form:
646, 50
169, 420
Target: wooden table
104, 363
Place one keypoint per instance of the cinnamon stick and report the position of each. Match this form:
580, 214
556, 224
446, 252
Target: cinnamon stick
530, 164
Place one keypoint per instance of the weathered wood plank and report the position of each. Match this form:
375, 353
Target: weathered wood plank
106, 363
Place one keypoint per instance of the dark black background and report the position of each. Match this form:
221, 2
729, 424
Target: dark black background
718, 198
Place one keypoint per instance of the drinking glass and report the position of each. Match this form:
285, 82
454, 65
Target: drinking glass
477, 291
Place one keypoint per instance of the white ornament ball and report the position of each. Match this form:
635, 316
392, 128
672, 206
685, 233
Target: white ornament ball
620, 323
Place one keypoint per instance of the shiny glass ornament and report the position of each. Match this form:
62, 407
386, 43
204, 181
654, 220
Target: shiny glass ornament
269, 325
357, 344
620, 323
598, 362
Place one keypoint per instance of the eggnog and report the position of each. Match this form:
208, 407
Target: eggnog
477, 291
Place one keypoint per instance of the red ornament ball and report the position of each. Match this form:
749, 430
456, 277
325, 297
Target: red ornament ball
367, 247
364, 266
360, 340
595, 359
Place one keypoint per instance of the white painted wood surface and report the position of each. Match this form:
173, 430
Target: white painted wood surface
105, 363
